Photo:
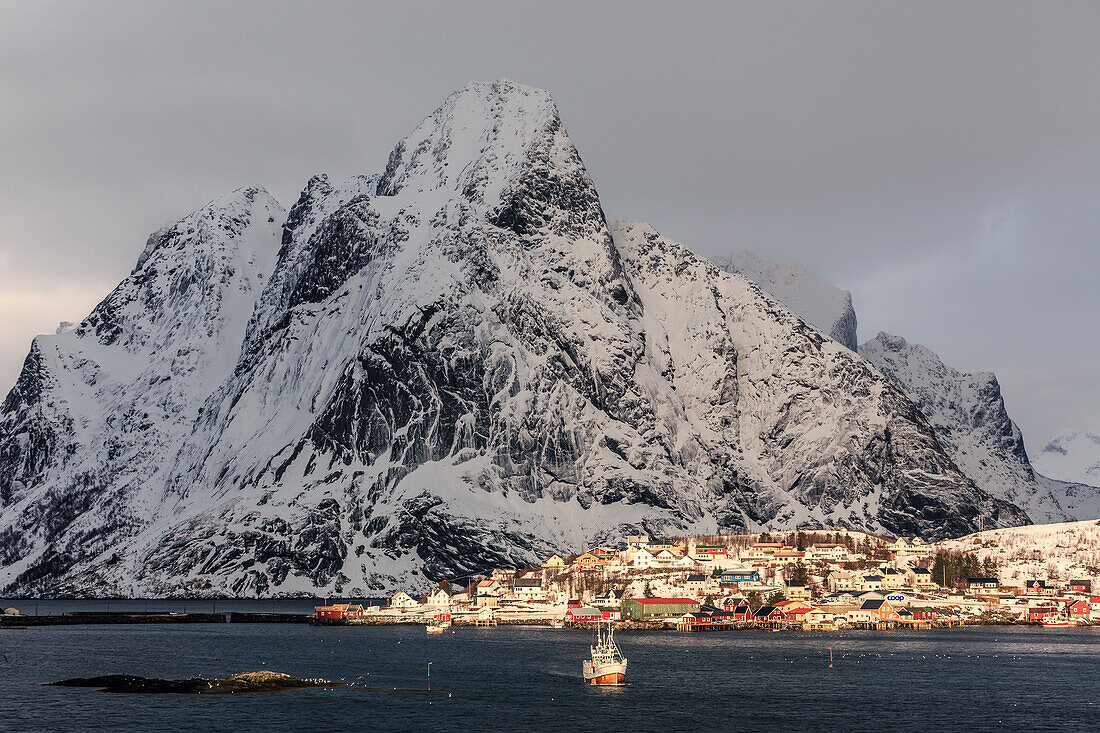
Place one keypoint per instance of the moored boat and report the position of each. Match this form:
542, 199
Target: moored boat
607, 665
1058, 621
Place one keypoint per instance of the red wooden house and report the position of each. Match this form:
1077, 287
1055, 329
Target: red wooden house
586, 614
1078, 609
1084, 587
742, 613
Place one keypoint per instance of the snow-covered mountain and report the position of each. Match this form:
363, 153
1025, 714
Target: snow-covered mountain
969, 417
826, 308
453, 364
1072, 456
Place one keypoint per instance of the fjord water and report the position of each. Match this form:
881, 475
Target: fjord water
522, 678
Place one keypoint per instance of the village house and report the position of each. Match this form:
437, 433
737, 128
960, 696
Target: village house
797, 614
339, 612
891, 578
788, 557
584, 614
658, 546
697, 583
1040, 588
875, 611
1038, 613
637, 541
710, 552
439, 597
647, 609
769, 616
611, 600
488, 592
920, 578
554, 562
797, 591
871, 582
1084, 587
643, 558
982, 585
529, 589
904, 547
840, 598
502, 574
401, 599
589, 560
827, 553
667, 557
762, 550
740, 575
1078, 609
841, 580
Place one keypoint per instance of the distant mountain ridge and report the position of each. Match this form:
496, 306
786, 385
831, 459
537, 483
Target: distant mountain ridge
1074, 456
969, 417
452, 364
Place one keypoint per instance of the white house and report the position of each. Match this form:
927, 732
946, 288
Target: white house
891, 578
909, 547
842, 580
829, 553
439, 598
643, 558
401, 599
529, 589
871, 582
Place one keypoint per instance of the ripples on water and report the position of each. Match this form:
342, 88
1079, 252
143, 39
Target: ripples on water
529, 679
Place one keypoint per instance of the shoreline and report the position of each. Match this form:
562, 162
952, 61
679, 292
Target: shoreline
125, 618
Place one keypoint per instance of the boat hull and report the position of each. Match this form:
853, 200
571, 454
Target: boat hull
605, 674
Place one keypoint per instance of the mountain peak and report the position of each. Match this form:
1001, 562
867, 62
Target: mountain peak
473, 143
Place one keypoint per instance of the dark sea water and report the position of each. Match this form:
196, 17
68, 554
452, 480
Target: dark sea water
523, 679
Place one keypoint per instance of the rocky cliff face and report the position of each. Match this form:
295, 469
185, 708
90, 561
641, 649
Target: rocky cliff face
969, 417
826, 308
452, 364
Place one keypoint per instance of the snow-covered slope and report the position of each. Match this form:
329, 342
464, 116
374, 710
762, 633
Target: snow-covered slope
826, 308
1061, 551
1072, 456
453, 364
969, 417
88, 433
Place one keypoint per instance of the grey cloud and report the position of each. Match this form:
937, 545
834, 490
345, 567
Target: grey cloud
939, 160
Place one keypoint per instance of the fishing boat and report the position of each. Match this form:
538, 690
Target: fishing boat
1057, 621
556, 623
607, 665
435, 628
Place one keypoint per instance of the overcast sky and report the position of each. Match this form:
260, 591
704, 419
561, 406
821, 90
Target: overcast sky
940, 161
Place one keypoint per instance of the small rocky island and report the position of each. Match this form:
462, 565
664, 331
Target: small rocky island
246, 682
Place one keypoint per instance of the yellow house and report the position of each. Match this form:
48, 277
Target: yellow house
554, 562
588, 560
